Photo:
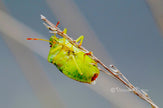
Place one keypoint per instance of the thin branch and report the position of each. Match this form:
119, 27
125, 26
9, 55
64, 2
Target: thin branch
112, 69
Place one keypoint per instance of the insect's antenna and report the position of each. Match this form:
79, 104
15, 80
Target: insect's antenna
38, 39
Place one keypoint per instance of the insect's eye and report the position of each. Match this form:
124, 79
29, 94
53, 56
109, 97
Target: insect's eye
50, 45
94, 77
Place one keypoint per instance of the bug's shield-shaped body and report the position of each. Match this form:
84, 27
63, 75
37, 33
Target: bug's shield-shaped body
72, 61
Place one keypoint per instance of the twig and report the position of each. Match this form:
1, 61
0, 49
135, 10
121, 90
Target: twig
112, 69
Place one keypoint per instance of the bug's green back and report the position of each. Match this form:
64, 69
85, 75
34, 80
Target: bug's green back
61, 54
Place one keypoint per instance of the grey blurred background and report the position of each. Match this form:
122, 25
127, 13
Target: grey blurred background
128, 36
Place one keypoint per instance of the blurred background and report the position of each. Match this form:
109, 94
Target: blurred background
126, 33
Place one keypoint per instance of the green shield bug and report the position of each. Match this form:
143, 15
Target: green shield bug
78, 63
70, 60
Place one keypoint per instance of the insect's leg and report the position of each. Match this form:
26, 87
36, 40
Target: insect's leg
89, 53
81, 38
86, 54
64, 41
55, 49
58, 56
64, 31
77, 66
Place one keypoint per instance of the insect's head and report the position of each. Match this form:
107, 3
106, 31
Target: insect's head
52, 41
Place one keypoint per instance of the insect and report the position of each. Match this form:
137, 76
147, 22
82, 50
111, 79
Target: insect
70, 60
